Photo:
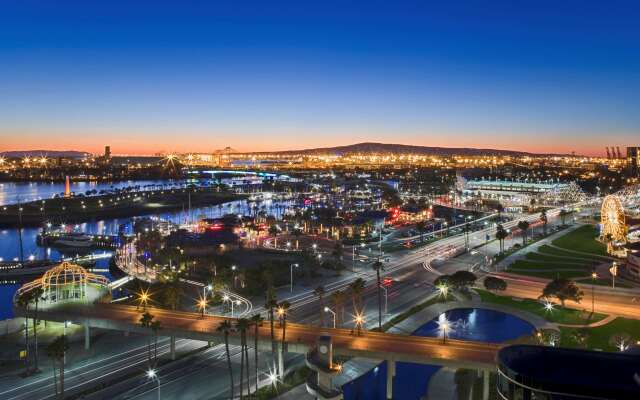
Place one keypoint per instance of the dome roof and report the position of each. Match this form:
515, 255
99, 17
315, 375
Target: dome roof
65, 274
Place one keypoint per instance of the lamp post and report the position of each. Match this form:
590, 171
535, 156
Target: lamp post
291, 274
445, 326
151, 374
327, 309
359, 323
203, 306
386, 298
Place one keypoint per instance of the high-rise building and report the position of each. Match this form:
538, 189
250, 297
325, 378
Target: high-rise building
632, 160
107, 152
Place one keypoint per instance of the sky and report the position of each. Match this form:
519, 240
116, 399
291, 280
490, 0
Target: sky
196, 76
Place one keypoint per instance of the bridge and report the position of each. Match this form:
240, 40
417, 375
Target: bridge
298, 338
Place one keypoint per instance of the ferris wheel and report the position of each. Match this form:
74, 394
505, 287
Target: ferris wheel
612, 218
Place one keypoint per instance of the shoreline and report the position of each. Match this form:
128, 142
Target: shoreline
83, 209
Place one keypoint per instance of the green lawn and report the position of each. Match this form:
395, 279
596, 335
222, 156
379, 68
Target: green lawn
559, 259
548, 270
558, 314
598, 338
548, 250
582, 239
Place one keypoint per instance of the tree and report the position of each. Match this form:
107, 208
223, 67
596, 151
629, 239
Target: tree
145, 322
378, 266
548, 337
155, 327
620, 341
283, 307
256, 321
357, 287
242, 324
274, 231
55, 352
493, 283
524, 226
37, 294
563, 289
563, 215
171, 288
319, 291
337, 301
461, 280
225, 327
23, 301
581, 336
544, 220
442, 280
337, 252
501, 235
421, 227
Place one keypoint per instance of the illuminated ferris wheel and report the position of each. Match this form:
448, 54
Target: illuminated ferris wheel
612, 218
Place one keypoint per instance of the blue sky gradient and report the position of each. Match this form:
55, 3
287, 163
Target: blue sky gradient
255, 75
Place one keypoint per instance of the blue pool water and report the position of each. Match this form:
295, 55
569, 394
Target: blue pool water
412, 380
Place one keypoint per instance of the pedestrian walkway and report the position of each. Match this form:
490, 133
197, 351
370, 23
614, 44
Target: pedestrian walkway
595, 324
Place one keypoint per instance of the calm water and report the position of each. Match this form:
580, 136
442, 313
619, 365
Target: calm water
12, 192
9, 239
412, 380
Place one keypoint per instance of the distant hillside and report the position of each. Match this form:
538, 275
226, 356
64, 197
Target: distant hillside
404, 149
45, 153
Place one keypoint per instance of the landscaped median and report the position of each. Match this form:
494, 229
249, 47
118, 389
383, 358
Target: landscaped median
557, 314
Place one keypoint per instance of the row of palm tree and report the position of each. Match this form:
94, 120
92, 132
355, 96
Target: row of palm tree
25, 299
241, 326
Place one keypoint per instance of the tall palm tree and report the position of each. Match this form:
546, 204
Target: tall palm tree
256, 321
283, 307
37, 295
242, 325
225, 327
524, 227
155, 327
501, 235
55, 352
337, 301
544, 220
271, 304
23, 301
145, 322
319, 291
377, 266
357, 287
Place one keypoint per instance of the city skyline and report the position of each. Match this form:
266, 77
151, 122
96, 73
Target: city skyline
294, 76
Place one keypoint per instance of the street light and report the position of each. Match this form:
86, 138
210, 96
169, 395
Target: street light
151, 374
327, 309
143, 298
386, 298
291, 271
594, 276
359, 322
203, 306
444, 326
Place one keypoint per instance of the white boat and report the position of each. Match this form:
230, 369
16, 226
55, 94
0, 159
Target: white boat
74, 240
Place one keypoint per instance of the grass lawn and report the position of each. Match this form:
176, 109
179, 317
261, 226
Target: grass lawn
549, 270
582, 239
604, 282
558, 314
559, 259
548, 250
598, 338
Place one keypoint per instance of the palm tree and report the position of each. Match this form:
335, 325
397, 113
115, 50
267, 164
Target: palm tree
421, 226
270, 305
337, 300
145, 322
256, 321
225, 327
544, 220
242, 325
377, 266
501, 235
283, 307
37, 295
56, 351
357, 287
319, 291
524, 227
155, 327
23, 301
171, 288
